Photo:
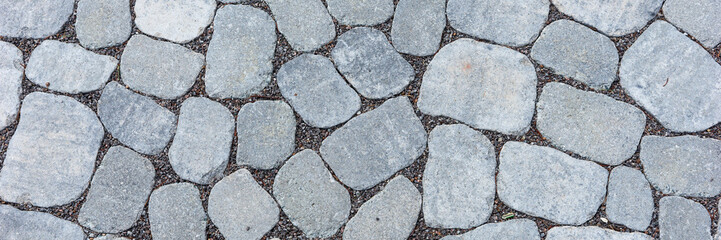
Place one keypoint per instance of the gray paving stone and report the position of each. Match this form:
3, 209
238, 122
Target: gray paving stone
17, 224
575, 51
103, 23
680, 218
684, 165
33, 19
306, 24
364, 12
509, 230
162, 69
590, 124
700, 18
547, 183
238, 70
201, 146
179, 21
629, 201
418, 25
612, 17
485, 86
390, 214
266, 134
493, 20
68, 67
370, 63
316, 91
684, 95
136, 120
176, 212
11, 76
306, 191
459, 180
56, 142
120, 187
592, 233
371, 147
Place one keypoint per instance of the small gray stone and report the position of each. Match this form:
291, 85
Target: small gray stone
136, 120
33, 19
162, 69
629, 200
68, 67
484, 85
684, 95
361, 12
592, 233
459, 181
240, 208
316, 91
370, 63
575, 51
612, 17
11, 77
179, 21
103, 23
308, 194
51, 156
680, 218
306, 24
547, 183
111, 237
17, 224
418, 26
390, 214
371, 147
700, 18
118, 192
201, 146
509, 22
509, 230
684, 165
240, 54
176, 212
266, 134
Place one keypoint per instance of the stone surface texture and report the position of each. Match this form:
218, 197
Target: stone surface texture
592, 233
509, 230
11, 76
176, 212
629, 201
266, 134
103, 23
493, 20
179, 20
680, 218
305, 24
699, 18
612, 17
418, 26
33, 19
17, 224
361, 12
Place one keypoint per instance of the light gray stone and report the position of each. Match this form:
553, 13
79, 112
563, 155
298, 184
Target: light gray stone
371, 147
629, 201
509, 230
51, 156
316, 91
33, 19
308, 194
17, 224
111, 237
266, 134
103, 23
201, 146
612, 17
11, 77
592, 233
136, 120
176, 212
390, 214
700, 18
179, 21
306, 24
680, 218
361, 12
418, 26
68, 67
544, 182
685, 94
508, 22
370, 63
486, 86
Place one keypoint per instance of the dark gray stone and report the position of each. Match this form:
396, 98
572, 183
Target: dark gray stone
509, 230
306, 24
364, 12
612, 17
266, 134
629, 201
179, 21
11, 77
418, 26
592, 233
17, 224
103, 23
33, 19
680, 218
700, 18
508, 22
176, 212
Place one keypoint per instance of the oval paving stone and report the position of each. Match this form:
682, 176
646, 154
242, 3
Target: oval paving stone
680, 218
11, 77
266, 134
306, 24
176, 212
508, 22
514, 229
612, 17
592, 233
700, 18
103, 23
418, 26
629, 200
17, 224
179, 21
33, 19
361, 12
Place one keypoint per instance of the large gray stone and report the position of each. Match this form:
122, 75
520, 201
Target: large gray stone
136, 120
361, 12
507, 22
316, 91
176, 212
51, 156
592, 233
509, 230
11, 77
612, 17
33, 19
684, 165
547, 183
684, 95
418, 26
17, 224
370, 63
103, 23
700, 18
306, 24
266, 134
308, 194
201, 146
68, 67
239, 58
680, 218
629, 201
179, 21
374, 145
120, 187
484, 85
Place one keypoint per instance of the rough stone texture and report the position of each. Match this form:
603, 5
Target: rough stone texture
68, 67
201, 146
266, 134
111, 237
11, 76
700, 18
575, 51
176, 212
120, 187
592, 233
459, 180
684, 165
590, 124
103, 23
509, 230
240, 208
179, 21
308, 194
306, 24
56, 142
136, 120
684, 95
680, 218
239, 58
33, 19
17, 224
508, 22
361, 12
418, 26
629, 201
486, 86
374, 145
370, 63
162, 69
390, 214
547, 183
612, 17
316, 91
